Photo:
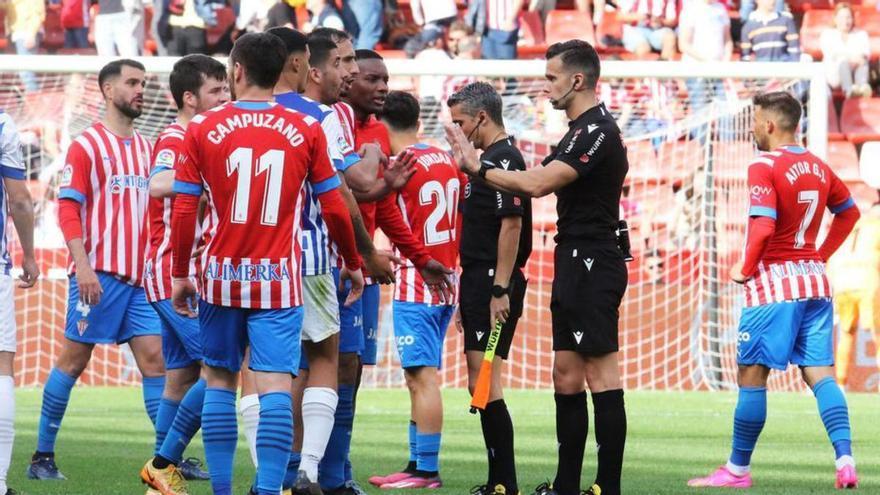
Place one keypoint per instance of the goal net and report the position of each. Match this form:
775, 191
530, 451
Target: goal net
686, 128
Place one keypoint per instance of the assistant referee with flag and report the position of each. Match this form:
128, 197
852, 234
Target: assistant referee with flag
496, 242
586, 171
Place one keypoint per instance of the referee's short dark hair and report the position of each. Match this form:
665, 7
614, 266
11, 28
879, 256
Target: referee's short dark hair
319, 51
578, 56
294, 41
401, 111
784, 105
478, 96
190, 72
114, 69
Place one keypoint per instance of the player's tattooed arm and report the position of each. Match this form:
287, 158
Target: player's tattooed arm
377, 263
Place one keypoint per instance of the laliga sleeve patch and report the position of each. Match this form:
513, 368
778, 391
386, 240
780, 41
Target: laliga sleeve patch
67, 175
165, 159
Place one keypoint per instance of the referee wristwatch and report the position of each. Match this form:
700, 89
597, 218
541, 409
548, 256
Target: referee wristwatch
498, 291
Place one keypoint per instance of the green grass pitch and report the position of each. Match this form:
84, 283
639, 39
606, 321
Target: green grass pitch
106, 438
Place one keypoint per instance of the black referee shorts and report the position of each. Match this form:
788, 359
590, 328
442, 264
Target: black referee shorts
475, 296
589, 283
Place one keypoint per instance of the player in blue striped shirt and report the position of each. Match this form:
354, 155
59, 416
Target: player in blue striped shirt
16, 200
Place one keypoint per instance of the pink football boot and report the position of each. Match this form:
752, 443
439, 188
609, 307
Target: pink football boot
723, 478
412, 481
846, 478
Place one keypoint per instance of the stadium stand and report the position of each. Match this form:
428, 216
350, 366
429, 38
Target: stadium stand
860, 119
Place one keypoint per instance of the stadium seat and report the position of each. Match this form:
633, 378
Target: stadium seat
868, 18
531, 28
834, 133
53, 36
3, 41
563, 25
860, 119
844, 160
682, 157
731, 159
642, 162
814, 22
806, 5
609, 33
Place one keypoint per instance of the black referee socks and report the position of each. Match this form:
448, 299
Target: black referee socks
498, 434
572, 423
610, 419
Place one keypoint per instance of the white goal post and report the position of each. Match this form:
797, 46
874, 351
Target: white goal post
686, 127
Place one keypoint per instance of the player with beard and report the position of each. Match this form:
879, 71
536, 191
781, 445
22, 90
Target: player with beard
198, 84
248, 303
315, 396
102, 207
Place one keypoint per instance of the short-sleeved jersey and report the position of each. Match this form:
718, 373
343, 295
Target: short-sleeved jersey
167, 151
589, 207
430, 203
484, 208
793, 187
319, 251
11, 167
253, 158
109, 176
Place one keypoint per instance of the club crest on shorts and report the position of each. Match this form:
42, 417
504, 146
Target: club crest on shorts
83, 323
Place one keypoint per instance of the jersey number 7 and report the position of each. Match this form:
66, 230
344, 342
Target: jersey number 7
811, 198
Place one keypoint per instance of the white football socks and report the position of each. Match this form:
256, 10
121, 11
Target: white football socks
737, 470
249, 407
7, 426
318, 411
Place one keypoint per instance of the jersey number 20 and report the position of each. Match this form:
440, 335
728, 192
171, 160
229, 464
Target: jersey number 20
242, 160
445, 203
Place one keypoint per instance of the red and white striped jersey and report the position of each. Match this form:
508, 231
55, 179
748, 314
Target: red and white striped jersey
793, 187
157, 269
347, 120
498, 11
253, 159
109, 176
430, 205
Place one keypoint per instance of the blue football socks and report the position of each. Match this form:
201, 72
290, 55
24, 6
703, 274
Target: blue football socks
153, 386
186, 423
748, 421
835, 415
274, 438
56, 394
220, 435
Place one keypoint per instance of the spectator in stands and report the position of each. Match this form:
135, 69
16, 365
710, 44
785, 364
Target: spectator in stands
845, 52
188, 33
501, 34
325, 14
119, 28
433, 17
283, 14
649, 25
746, 7
369, 16
253, 15
159, 27
770, 35
75, 21
458, 31
704, 32
25, 20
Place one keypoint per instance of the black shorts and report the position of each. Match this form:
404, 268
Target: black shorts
475, 296
589, 283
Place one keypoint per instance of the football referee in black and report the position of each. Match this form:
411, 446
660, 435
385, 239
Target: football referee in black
496, 241
586, 171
